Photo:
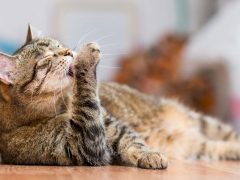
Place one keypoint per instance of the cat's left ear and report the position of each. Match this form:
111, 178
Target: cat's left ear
33, 33
7, 68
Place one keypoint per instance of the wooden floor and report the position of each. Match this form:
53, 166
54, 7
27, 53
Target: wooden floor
176, 170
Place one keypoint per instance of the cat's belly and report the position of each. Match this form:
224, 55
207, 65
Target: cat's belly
164, 124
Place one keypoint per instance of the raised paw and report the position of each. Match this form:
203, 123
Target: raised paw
89, 54
152, 160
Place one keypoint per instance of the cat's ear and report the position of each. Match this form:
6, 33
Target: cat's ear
29, 34
7, 68
33, 33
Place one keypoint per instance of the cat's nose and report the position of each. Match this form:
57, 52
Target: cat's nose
68, 53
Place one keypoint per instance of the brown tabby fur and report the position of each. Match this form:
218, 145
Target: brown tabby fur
49, 117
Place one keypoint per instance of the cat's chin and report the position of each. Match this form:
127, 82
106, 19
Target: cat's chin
70, 71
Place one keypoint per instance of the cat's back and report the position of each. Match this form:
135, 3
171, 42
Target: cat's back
140, 110
125, 102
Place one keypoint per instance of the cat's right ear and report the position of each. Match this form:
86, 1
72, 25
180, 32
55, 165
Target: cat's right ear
29, 34
7, 68
33, 33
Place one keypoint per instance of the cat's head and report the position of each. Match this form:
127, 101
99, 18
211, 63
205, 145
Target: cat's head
41, 65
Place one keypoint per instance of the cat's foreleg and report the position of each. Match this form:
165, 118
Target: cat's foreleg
129, 149
78, 138
86, 113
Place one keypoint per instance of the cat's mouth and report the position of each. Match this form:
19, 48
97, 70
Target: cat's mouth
70, 71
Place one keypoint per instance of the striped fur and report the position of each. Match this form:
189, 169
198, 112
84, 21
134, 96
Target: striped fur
77, 130
51, 115
169, 127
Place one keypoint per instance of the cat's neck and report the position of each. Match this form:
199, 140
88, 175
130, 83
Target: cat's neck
23, 111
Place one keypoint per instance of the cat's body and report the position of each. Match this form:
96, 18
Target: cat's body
45, 121
169, 127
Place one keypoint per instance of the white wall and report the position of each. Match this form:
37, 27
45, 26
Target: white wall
220, 40
149, 20
15, 15
155, 17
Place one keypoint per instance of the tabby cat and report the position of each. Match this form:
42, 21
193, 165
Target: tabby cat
54, 112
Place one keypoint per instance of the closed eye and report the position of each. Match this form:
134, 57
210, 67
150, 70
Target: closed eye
47, 56
43, 62
43, 65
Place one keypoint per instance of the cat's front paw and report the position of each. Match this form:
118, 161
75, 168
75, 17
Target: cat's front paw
152, 160
89, 54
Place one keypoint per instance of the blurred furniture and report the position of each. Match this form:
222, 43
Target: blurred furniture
158, 71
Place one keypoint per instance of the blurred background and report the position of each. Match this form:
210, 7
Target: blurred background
188, 50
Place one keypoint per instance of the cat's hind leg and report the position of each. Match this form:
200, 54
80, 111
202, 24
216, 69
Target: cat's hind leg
214, 129
219, 150
129, 149
221, 141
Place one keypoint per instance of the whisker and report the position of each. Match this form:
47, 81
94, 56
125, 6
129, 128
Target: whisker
30, 70
62, 95
46, 83
106, 45
26, 90
83, 38
115, 54
109, 67
68, 81
54, 101
35, 87
64, 37
107, 60
104, 37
